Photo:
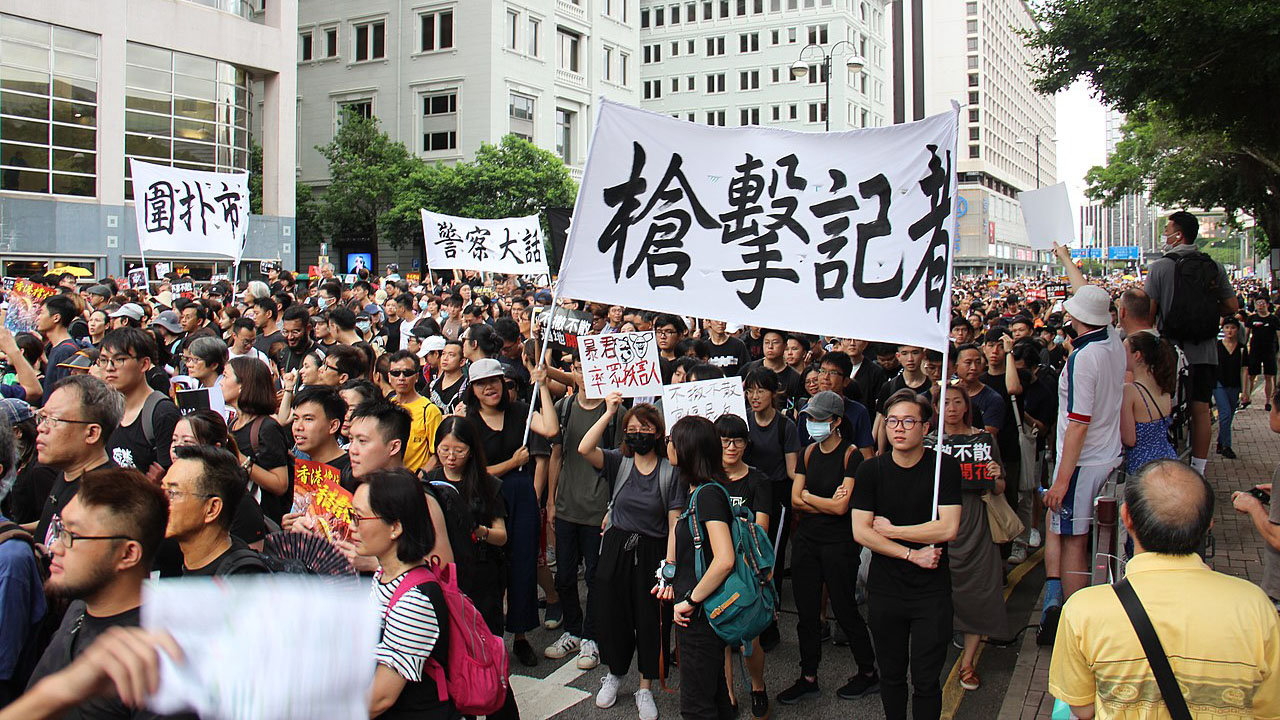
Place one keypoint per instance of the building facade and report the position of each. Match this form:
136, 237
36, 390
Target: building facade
969, 51
445, 76
1131, 221
87, 84
729, 62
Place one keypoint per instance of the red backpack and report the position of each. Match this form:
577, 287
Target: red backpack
476, 677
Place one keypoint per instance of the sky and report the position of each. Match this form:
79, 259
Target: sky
1082, 138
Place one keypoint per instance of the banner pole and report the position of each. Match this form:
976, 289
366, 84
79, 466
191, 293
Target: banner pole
542, 353
946, 312
942, 402
146, 271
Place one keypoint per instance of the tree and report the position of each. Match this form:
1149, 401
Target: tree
1208, 72
366, 171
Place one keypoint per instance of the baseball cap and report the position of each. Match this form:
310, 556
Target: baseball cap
100, 291
824, 406
169, 321
133, 311
14, 411
484, 368
435, 343
79, 361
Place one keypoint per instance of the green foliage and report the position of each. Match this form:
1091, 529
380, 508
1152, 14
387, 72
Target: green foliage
365, 169
255, 178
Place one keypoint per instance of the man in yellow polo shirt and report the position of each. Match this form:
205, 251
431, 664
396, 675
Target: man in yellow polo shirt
403, 375
1220, 633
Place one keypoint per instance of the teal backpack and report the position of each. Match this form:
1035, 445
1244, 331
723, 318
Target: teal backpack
746, 602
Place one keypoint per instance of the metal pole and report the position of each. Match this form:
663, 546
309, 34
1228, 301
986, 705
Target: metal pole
826, 109
1037, 160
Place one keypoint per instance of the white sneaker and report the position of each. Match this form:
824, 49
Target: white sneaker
645, 706
608, 694
562, 647
1034, 540
589, 655
1018, 554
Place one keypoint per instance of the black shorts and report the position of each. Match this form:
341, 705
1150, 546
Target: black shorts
1203, 378
1263, 363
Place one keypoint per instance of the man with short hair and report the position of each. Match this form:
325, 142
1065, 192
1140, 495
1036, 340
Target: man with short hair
266, 317
379, 434
856, 428
342, 326
243, 334
103, 546
205, 485
403, 374
911, 359
56, 315
343, 363
295, 328
71, 436
1219, 633
446, 390
773, 346
868, 377
318, 413
727, 352
146, 430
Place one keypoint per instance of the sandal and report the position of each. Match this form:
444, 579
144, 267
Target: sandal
969, 679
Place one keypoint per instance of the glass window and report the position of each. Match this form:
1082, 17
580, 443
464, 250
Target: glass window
304, 46
371, 41
48, 108
532, 34
564, 134
436, 30
513, 21
569, 43
331, 42
521, 107
440, 121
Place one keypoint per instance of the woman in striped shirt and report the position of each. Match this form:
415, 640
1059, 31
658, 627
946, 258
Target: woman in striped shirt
392, 523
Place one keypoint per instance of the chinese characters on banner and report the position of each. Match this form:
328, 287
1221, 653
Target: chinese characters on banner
189, 210
511, 245
25, 300
707, 398
625, 362
317, 491
833, 234
138, 279
563, 326
973, 452
184, 288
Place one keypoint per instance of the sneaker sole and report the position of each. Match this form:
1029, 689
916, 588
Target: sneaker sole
869, 691
606, 707
970, 688
547, 654
552, 624
588, 666
806, 696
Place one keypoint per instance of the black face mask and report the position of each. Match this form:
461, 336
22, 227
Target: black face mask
641, 443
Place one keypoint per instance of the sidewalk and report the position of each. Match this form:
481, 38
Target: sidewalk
1239, 550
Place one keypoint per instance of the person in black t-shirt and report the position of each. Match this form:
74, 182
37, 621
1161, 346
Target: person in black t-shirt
695, 448
824, 550
909, 584
727, 352
127, 355
773, 344
104, 542
1263, 326
262, 443
911, 359
205, 486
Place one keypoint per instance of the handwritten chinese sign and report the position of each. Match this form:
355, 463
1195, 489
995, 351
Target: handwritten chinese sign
706, 398
189, 210
830, 233
973, 452
563, 326
25, 300
625, 362
317, 491
512, 245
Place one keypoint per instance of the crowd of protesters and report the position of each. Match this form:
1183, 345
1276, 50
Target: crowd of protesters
419, 393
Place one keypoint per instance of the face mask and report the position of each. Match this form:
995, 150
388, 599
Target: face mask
1057, 340
641, 443
444, 315
363, 327
422, 304
322, 302
817, 430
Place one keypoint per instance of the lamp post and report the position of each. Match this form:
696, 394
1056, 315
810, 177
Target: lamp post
800, 68
1040, 132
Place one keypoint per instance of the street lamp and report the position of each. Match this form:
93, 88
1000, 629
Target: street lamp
800, 68
1040, 132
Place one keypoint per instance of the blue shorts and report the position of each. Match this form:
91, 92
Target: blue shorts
1076, 515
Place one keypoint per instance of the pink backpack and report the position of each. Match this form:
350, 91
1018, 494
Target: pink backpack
476, 677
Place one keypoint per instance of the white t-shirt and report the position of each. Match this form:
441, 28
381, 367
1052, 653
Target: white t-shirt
1091, 392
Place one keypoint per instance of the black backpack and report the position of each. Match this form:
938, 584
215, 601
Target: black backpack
1193, 314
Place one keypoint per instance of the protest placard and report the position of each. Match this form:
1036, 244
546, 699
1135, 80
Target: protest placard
138, 279
1057, 291
706, 398
846, 233
25, 300
200, 398
6, 283
563, 326
625, 362
267, 266
1047, 215
973, 452
190, 211
318, 492
162, 269
510, 245
185, 288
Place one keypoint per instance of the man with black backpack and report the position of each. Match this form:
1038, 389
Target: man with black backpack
205, 486
1193, 294
146, 431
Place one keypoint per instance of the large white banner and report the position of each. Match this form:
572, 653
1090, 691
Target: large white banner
625, 362
845, 233
512, 245
189, 210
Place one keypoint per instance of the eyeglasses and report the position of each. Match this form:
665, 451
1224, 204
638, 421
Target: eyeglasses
45, 419
327, 366
668, 331
400, 373
174, 493
736, 443
111, 363
829, 371
904, 423
453, 452
357, 517
68, 538
191, 359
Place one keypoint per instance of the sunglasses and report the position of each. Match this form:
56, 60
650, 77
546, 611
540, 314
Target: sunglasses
401, 373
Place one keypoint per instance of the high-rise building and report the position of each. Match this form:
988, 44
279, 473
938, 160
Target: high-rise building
87, 84
1132, 220
729, 62
445, 77
971, 52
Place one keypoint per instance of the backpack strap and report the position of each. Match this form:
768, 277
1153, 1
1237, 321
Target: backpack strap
1154, 650
241, 558
13, 531
848, 452
416, 579
148, 415
666, 478
254, 428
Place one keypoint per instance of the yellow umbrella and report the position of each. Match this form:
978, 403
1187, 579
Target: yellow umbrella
1129, 277
74, 270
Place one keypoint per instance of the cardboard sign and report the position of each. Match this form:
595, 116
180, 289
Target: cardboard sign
6, 284
624, 362
163, 269
185, 288
564, 326
201, 398
25, 300
318, 492
706, 398
138, 279
1057, 291
973, 452
413, 277
267, 266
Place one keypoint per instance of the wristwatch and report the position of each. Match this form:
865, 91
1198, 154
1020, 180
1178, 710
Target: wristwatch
688, 597
248, 463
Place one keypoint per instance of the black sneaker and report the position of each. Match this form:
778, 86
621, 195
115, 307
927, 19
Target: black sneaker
759, 705
826, 632
1048, 630
859, 685
1227, 452
524, 653
770, 638
801, 690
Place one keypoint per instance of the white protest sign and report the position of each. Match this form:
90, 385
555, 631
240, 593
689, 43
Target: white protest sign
846, 234
1048, 216
706, 398
625, 362
512, 245
189, 210
277, 626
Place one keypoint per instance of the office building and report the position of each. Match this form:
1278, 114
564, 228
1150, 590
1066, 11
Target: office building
87, 84
443, 77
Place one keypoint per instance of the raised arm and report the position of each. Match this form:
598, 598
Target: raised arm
1074, 274
589, 448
